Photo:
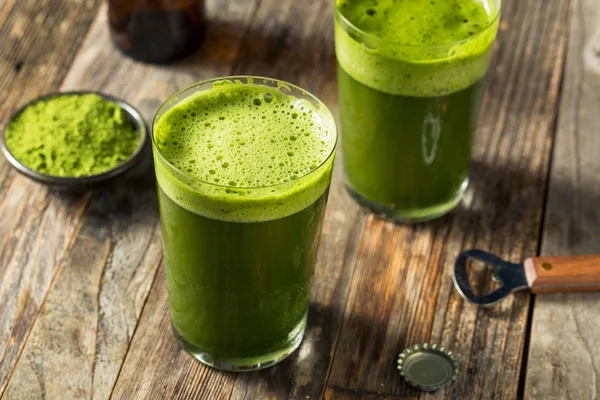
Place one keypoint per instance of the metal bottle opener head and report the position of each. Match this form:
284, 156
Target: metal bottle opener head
510, 275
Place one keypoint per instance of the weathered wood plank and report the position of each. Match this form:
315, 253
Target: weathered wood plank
169, 372
36, 231
96, 299
77, 344
402, 291
93, 306
37, 223
32, 61
289, 40
334, 393
563, 354
126, 277
510, 171
157, 368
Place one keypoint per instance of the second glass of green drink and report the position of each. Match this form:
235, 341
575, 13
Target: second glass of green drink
411, 81
243, 167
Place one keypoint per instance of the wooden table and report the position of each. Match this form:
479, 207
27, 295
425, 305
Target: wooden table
83, 300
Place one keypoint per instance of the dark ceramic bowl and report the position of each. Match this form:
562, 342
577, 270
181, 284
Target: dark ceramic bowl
84, 181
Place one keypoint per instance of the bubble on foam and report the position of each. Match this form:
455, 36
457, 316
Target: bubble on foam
217, 123
403, 67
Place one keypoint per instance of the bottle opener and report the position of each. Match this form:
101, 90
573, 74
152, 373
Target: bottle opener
539, 274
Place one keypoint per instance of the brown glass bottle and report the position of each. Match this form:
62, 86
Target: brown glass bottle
156, 31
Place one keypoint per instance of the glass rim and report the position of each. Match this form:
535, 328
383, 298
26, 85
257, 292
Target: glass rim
232, 78
346, 21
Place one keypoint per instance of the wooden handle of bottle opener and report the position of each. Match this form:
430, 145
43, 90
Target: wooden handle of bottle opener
563, 273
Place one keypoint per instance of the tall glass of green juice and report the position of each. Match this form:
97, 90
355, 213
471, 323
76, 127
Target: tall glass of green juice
411, 75
243, 167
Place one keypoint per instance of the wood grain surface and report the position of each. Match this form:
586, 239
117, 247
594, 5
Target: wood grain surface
402, 291
39, 41
83, 298
36, 223
563, 273
155, 366
564, 362
92, 307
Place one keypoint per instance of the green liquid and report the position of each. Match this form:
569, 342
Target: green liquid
414, 169
238, 290
240, 256
410, 90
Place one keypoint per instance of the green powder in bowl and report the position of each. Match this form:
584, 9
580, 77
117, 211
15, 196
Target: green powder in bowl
72, 135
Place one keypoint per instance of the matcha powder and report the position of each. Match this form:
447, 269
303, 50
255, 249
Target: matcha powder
72, 135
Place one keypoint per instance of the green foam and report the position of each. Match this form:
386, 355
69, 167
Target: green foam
244, 152
416, 47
